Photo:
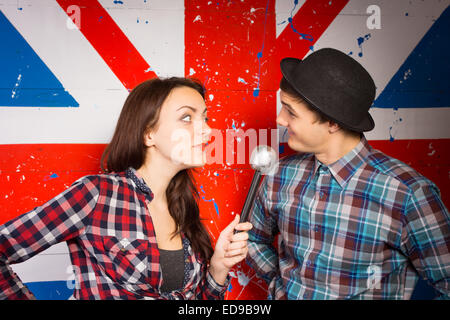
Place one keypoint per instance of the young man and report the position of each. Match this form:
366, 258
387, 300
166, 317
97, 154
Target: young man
352, 222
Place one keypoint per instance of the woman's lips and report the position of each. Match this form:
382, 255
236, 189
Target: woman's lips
202, 146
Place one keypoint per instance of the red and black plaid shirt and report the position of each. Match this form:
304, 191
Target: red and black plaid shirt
112, 243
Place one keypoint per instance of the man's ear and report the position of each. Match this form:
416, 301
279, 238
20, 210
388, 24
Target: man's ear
333, 127
149, 138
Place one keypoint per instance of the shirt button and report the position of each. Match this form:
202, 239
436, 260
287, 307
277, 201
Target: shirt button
308, 263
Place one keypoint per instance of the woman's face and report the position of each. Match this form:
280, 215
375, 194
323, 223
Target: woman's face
182, 131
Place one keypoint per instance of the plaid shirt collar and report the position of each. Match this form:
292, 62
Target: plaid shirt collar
344, 168
139, 182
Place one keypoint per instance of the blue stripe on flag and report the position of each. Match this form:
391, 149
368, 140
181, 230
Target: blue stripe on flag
422, 80
26, 81
50, 290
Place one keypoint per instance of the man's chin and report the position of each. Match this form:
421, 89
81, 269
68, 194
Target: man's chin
291, 144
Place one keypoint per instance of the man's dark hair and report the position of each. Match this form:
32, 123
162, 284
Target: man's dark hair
321, 118
286, 87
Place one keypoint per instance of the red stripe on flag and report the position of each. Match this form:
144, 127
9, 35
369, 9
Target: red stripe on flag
34, 173
110, 42
31, 174
310, 22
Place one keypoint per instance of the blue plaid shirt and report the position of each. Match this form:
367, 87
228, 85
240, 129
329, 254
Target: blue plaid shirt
364, 227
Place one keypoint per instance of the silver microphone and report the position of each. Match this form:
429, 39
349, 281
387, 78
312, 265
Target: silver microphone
264, 160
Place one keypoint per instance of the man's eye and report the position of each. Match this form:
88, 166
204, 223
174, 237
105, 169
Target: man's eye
290, 113
186, 118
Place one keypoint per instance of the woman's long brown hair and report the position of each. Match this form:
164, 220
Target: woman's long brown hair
126, 149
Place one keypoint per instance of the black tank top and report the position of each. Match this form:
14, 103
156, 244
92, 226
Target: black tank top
172, 267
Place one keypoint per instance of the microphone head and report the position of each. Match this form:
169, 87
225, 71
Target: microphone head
264, 159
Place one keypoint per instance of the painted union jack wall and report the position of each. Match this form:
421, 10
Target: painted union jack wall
66, 67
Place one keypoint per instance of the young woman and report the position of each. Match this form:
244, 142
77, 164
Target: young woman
135, 231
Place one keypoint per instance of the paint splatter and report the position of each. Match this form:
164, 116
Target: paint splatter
360, 41
303, 36
259, 55
51, 176
216, 207
433, 151
406, 75
242, 278
233, 125
16, 86
393, 128
241, 80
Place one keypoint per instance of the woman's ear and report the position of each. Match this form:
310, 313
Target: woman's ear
149, 140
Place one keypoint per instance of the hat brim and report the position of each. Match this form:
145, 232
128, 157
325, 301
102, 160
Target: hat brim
289, 65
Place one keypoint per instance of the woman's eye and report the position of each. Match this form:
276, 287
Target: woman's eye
206, 119
186, 118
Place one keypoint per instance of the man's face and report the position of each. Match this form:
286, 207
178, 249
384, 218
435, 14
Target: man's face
306, 133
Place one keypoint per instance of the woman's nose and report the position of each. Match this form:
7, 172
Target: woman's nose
206, 132
202, 132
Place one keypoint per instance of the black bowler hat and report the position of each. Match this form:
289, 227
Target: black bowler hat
335, 84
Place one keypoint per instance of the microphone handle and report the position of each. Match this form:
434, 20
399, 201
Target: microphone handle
250, 196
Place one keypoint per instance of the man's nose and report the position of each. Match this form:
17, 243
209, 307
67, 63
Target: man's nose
281, 120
